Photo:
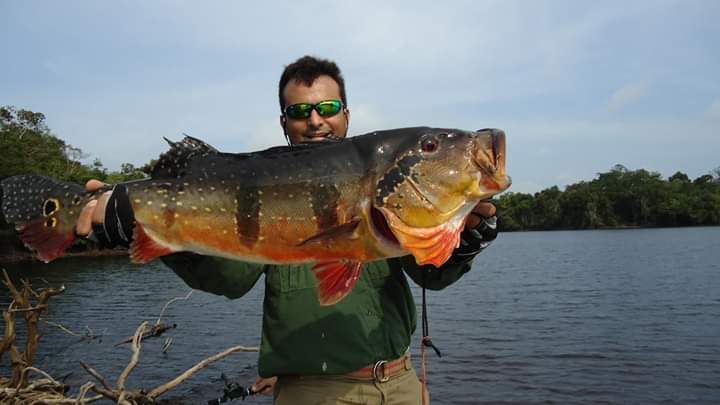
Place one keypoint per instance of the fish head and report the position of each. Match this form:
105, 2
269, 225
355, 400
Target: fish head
433, 183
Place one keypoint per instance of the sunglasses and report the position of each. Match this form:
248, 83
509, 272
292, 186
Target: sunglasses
325, 108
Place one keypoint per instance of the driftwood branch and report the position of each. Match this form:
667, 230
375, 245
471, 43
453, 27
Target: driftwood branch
136, 344
170, 302
31, 313
156, 392
97, 375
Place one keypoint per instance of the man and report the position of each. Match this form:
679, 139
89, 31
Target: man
355, 351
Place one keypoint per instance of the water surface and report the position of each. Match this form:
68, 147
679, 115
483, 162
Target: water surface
626, 316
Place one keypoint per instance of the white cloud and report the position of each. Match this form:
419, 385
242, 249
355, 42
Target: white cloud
628, 94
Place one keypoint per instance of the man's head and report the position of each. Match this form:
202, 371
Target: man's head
305, 83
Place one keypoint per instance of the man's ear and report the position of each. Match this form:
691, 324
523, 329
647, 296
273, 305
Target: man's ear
346, 111
283, 124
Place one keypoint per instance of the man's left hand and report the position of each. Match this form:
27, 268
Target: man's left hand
481, 211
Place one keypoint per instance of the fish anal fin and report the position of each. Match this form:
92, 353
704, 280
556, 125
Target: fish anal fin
46, 238
338, 231
144, 249
336, 280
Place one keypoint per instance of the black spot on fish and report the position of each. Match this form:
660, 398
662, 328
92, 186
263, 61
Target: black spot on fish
394, 177
324, 204
247, 215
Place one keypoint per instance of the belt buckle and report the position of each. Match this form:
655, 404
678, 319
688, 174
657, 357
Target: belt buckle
380, 365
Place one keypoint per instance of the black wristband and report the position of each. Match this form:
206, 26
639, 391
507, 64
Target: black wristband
119, 219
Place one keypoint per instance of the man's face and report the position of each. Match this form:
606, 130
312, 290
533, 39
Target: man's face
314, 128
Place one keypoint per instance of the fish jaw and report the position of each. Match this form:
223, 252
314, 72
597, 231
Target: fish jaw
489, 156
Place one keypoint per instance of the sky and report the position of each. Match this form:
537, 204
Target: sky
578, 86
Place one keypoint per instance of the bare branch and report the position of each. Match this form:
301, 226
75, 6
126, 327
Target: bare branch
97, 375
166, 346
62, 328
170, 302
199, 366
133, 361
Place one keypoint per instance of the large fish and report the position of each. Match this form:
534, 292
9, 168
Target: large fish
336, 203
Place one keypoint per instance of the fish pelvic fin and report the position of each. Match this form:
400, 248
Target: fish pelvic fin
144, 249
336, 280
44, 212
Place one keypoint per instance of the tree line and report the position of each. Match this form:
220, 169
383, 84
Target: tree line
31, 148
617, 198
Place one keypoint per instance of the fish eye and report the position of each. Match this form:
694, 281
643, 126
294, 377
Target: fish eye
429, 144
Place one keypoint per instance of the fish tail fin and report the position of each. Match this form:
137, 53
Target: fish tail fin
44, 212
336, 279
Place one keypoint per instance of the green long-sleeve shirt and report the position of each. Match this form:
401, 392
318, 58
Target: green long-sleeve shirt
300, 337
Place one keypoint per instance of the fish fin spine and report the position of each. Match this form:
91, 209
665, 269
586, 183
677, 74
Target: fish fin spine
336, 280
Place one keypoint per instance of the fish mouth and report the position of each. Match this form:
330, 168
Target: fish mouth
489, 156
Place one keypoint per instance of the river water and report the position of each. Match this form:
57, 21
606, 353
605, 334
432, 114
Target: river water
612, 316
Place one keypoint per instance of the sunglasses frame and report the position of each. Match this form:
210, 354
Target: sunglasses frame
315, 107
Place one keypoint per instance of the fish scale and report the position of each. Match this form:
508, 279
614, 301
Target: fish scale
336, 203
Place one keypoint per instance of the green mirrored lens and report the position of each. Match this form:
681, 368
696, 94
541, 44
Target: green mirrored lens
328, 108
301, 110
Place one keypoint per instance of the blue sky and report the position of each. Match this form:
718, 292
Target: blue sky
578, 86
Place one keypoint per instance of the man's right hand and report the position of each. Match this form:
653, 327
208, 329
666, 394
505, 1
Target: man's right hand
94, 211
264, 385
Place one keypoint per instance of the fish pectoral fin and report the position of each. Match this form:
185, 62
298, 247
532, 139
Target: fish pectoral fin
336, 279
144, 249
345, 229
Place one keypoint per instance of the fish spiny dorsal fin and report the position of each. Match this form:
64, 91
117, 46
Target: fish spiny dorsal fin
174, 162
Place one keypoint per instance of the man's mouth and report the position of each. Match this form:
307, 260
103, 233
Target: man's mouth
320, 136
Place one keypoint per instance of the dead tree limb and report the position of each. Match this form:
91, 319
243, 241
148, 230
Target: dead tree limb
170, 302
156, 330
21, 304
97, 375
156, 392
136, 344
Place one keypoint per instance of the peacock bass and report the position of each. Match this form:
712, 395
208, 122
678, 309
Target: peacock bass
336, 203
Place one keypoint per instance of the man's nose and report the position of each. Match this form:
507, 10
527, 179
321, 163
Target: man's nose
315, 119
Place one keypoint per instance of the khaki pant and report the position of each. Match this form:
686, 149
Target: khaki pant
402, 389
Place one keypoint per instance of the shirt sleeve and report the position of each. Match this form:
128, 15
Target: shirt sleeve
215, 275
472, 242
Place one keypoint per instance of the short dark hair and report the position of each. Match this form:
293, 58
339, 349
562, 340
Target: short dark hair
305, 70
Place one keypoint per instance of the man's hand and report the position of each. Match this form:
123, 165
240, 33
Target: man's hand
94, 211
264, 385
481, 211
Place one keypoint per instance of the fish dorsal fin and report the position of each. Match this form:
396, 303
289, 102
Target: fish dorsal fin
174, 162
